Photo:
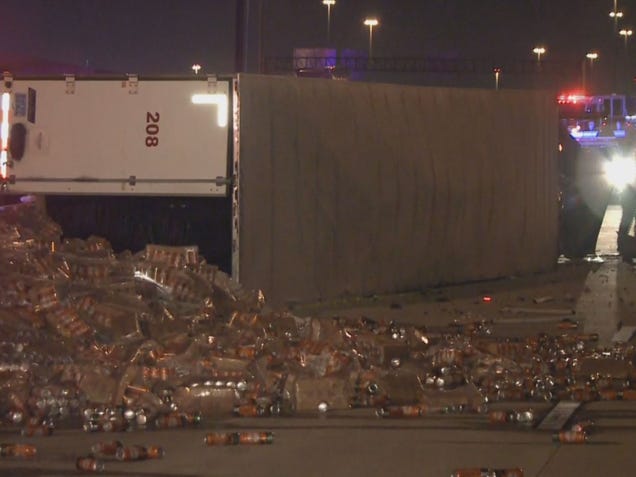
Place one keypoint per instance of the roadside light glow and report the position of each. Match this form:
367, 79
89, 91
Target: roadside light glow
539, 50
591, 56
371, 22
220, 100
571, 98
4, 133
620, 171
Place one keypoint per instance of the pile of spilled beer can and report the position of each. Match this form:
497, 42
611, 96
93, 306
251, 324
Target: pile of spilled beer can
160, 339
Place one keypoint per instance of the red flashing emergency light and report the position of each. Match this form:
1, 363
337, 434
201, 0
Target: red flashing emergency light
571, 98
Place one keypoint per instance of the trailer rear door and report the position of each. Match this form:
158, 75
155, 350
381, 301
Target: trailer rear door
118, 136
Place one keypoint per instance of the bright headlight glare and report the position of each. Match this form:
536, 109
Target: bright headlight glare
620, 171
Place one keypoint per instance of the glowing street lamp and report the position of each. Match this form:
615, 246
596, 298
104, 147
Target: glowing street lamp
626, 33
591, 56
615, 15
196, 67
371, 22
329, 4
497, 72
539, 50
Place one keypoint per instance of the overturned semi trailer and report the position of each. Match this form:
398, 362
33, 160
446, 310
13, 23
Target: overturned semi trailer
135, 160
360, 188
308, 189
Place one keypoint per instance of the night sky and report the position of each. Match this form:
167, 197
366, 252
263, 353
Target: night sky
168, 36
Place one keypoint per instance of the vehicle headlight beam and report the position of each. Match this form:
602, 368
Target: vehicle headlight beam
620, 172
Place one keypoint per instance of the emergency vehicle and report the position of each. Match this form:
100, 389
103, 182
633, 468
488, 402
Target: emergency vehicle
595, 121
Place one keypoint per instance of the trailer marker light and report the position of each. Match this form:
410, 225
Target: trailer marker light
220, 100
4, 133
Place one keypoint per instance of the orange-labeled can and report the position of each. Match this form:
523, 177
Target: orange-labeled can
236, 438
570, 437
583, 394
89, 464
511, 394
498, 417
567, 324
582, 426
114, 425
106, 447
401, 411
132, 453
628, 394
587, 337
169, 421
220, 439
249, 410
255, 437
608, 394
191, 417
17, 450
246, 352
154, 452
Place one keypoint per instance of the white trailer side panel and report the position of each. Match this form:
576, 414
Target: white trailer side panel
146, 137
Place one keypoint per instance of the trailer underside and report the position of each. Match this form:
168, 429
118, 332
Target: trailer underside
131, 222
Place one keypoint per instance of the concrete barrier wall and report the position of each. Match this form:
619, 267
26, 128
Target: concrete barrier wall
359, 188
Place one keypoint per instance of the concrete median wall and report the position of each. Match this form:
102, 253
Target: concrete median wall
356, 188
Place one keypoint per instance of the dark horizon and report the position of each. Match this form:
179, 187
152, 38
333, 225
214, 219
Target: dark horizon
168, 36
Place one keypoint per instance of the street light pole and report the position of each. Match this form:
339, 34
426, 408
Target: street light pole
497, 72
329, 4
615, 15
626, 33
371, 22
590, 56
539, 50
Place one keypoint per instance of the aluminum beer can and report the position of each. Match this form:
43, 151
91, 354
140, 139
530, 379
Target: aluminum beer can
89, 464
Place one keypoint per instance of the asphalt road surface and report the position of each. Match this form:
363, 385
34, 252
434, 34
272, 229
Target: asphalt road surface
601, 294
